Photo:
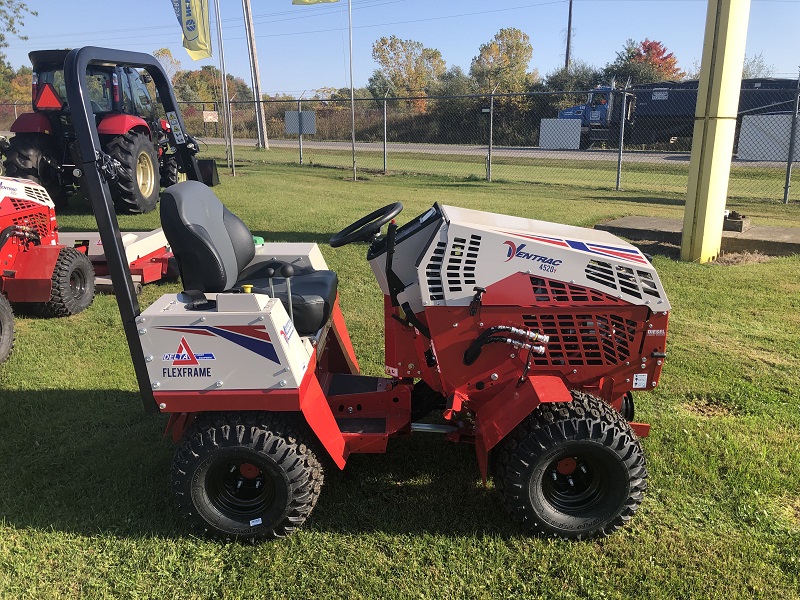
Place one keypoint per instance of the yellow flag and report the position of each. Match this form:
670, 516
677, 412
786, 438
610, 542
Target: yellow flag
193, 18
312, 1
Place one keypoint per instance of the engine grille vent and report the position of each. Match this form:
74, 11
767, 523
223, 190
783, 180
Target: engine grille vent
433, 272
38, 193
622, 279
461, 263
20, 204
549, 291
592, 339
35, 221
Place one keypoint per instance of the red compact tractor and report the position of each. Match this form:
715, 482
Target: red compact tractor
35, 270
130, 132
526, 337
53, 274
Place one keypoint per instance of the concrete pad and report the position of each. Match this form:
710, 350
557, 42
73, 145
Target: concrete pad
775, 241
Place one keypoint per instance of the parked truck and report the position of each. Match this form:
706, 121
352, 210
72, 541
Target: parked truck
664, 111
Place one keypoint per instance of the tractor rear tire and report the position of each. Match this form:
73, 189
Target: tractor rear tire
136, 187
29, 156
574, 470
72, 287
6, 328
247, 476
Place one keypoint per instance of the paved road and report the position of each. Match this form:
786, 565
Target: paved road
662, 158
464, 150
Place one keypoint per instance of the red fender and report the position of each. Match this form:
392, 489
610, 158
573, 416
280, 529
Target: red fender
495, 418
309, 399
31, 123
120, 124
31, 280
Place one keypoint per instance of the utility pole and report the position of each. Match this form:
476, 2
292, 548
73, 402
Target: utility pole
226, 104
255, 75
569, 37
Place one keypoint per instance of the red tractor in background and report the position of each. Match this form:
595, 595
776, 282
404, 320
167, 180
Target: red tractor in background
130, 132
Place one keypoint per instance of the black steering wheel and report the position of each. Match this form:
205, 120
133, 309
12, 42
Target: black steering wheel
365, 228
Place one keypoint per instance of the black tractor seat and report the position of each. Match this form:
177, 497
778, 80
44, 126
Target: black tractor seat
214, 249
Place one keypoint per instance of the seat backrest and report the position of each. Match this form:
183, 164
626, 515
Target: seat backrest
210, 243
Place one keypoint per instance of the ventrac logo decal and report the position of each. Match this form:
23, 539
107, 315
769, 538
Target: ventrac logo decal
185, 362
515, 251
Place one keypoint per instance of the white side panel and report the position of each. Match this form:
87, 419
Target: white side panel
297, 253
237, 349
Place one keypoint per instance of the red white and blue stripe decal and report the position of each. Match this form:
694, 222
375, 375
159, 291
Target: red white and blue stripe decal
618, 252
251, 337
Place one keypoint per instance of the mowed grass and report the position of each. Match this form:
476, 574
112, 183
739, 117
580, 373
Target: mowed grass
749, 182
86, 506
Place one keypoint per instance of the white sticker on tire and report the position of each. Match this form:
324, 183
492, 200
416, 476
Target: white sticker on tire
255, 522
640, 381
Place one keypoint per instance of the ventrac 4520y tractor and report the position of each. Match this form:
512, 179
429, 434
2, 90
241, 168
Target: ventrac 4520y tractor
129, 130
526, 337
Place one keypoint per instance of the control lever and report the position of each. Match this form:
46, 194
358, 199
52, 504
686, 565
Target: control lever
287, 271
270, 273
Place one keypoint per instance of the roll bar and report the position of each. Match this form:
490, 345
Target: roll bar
96, 167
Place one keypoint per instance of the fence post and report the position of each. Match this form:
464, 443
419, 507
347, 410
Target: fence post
792, 136
621, 135
491, 128
300, 127
385, 133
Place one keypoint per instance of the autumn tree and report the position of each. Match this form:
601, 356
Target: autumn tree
203, 85
503, 62
21, 86
171, 64
644, 62
408, 67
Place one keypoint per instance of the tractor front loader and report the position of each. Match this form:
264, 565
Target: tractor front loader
527, 337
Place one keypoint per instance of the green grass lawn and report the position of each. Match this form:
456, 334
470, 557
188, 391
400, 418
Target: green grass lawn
748, 183
86, 506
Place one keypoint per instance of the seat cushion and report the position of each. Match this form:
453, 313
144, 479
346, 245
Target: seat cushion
313, 295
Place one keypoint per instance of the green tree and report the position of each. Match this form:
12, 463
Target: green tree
407, 66
579, 77
503, 62
644, 62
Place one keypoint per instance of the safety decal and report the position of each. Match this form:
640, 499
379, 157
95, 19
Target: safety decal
250, 337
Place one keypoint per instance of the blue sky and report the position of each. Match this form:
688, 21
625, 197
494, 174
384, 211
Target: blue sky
303, 48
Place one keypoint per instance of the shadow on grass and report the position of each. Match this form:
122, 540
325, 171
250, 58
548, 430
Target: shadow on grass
91, 462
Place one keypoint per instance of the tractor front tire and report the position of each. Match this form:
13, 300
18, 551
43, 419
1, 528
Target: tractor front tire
170, 175
574, 470
247, 476
72, 287
136, 187
31, 156
6, 328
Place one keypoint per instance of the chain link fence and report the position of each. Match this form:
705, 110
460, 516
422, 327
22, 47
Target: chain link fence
635, 140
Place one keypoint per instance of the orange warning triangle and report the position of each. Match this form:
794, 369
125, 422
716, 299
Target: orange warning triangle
48, 98
184, 354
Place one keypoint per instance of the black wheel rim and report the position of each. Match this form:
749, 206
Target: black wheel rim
240, 487
574, 483
77, 283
